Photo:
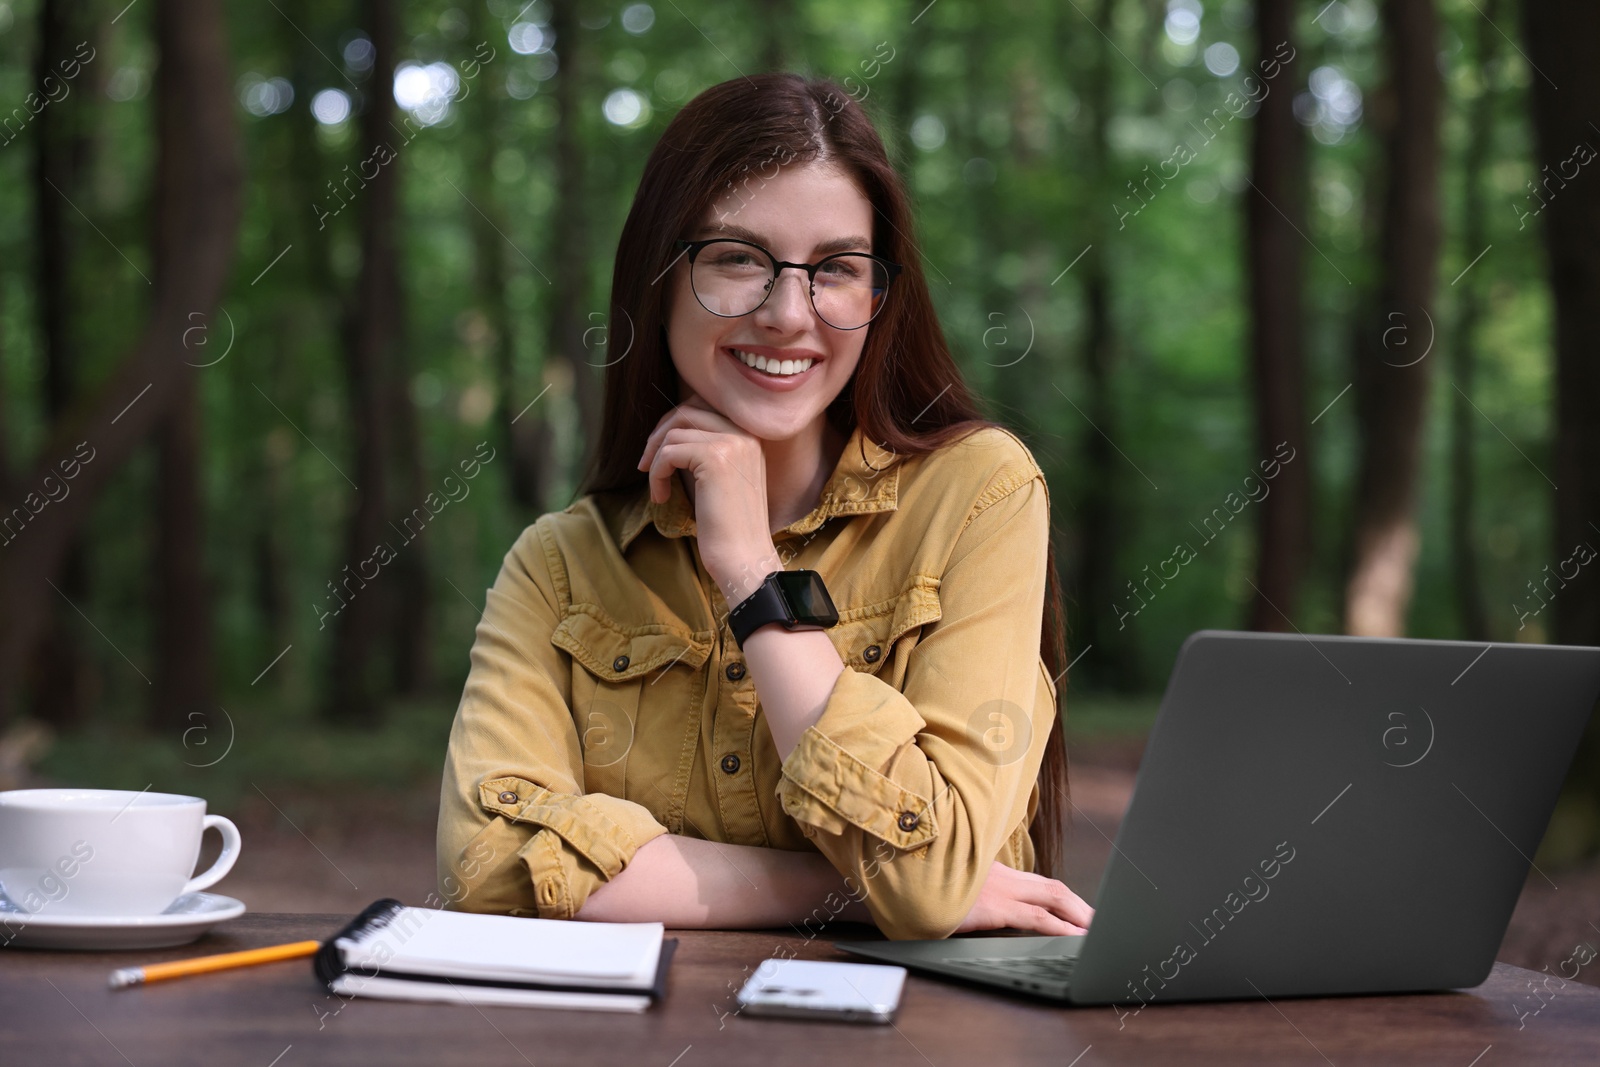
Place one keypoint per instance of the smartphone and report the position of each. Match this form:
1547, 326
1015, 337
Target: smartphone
812, 989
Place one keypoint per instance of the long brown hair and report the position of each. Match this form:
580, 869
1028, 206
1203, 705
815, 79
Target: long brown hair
725, 140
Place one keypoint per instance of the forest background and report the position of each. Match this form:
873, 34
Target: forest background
255, 255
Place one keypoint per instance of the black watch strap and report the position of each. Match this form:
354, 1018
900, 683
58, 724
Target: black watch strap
766, 604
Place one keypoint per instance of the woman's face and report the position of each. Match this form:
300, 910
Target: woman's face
800, 215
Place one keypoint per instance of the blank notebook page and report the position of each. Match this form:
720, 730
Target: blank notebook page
459, 944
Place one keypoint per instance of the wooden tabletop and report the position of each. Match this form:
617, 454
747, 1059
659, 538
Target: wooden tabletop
55, 1008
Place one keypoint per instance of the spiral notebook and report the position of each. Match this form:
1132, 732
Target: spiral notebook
404, 953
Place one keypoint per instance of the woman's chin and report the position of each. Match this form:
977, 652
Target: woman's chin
764, 426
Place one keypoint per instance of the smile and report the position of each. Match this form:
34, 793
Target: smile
773, 378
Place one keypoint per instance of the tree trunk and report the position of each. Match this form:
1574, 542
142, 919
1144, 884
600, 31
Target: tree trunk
1560, 39
361, 588
412, 663
61, 680
486, 217
1002, 330
8, 482
271, 577
306, 198
413, 601
1101, 632
1277, 351
1470, 297
182, 691
198, 176
905, 87
569, 244
1391, 373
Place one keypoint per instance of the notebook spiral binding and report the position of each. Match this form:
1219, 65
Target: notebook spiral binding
327, 963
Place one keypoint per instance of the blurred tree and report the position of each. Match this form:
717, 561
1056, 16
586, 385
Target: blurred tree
8, 481
1567, 137
569, 246
520, 429
371, 344
184, 678
411, 619
1106, 650
1275, 224
62, 676
183, 686
197, 181
412, 616
1560, 40
1391, 369
1470, 298
906, 89
986, 221
314, 308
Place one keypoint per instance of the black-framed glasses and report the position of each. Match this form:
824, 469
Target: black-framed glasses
731, 278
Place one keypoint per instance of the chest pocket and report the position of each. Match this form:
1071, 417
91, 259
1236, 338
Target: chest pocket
612, 664
877, 638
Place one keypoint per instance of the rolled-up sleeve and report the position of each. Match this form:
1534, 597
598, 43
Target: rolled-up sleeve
517, 834
913, 793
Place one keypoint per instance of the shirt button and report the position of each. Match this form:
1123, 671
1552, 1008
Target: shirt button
547, 893
734, 672
908, 821
620, 664
872, 653
730, 763
508, 797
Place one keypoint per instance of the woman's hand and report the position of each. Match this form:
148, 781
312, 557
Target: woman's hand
729, 476
1026, 901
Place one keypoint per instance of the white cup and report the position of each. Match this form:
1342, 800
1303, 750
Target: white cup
105, 851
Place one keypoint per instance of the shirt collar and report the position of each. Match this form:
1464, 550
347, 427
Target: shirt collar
866, 479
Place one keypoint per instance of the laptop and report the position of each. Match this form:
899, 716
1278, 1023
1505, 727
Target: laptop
1313, 815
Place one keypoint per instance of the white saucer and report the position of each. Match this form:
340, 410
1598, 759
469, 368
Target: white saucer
185, 920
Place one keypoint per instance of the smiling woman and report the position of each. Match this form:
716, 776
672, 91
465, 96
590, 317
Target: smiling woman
794, 648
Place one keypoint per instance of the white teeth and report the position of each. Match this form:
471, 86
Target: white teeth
773, 367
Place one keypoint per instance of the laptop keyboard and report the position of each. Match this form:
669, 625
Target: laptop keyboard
1052, 968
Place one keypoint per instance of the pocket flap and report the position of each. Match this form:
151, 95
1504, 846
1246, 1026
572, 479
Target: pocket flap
616, 653
878, 626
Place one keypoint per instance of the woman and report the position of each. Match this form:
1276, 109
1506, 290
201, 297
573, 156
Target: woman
783, 401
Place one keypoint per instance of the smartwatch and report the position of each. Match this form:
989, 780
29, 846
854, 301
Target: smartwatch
797, 599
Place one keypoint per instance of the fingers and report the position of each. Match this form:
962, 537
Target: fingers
693, 415
653, 442
1065, 903
680, 447
1042, 920
1052, 896
662, 470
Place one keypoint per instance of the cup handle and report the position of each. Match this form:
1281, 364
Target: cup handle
224, 862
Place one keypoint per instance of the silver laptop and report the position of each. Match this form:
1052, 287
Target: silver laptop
1313, 815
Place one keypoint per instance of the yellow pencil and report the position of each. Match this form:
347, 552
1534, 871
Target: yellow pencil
155, 972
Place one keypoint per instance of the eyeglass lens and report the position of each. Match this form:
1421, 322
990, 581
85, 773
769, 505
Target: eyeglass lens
732, 279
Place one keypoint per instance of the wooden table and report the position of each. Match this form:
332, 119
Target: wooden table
56, 1009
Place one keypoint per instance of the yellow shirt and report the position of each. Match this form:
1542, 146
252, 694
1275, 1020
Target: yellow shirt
607, 701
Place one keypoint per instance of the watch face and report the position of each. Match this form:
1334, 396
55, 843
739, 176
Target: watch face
808, 598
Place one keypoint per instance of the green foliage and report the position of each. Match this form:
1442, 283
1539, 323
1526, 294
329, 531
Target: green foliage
988, 102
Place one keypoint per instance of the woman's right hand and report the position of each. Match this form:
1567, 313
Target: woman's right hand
1025, 901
